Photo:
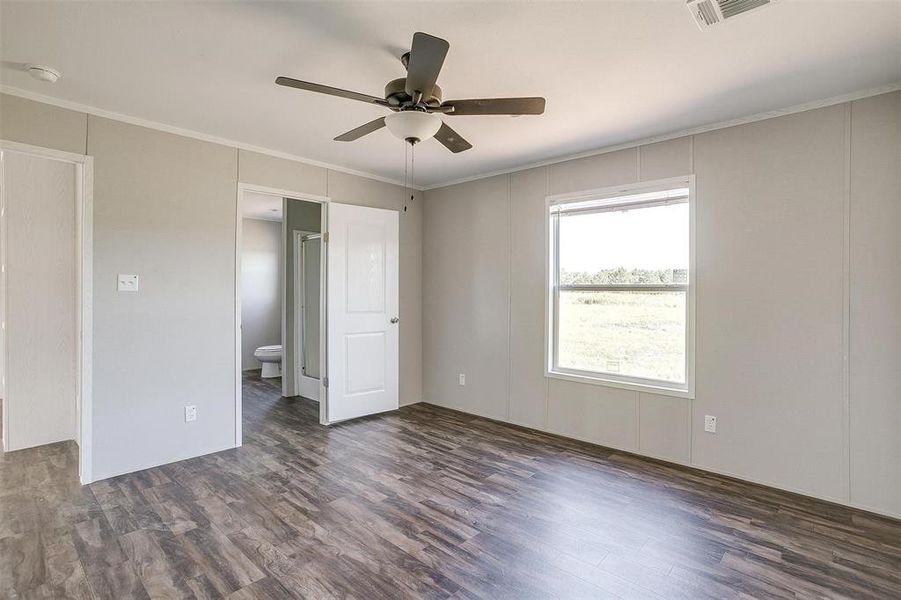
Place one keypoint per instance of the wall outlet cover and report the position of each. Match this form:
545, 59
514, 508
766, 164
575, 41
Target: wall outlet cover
710, 423
462, 379
127, 283
190, 413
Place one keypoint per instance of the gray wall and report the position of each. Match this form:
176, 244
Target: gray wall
875, 303
798, 265
165, 208
261, 287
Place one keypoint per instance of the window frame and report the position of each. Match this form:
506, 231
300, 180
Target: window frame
553, 288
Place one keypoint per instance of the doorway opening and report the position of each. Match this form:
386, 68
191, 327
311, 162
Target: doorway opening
279, 293
46, 240
339, 301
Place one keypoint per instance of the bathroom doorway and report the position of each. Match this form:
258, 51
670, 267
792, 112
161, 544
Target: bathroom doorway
279, 293
356, 248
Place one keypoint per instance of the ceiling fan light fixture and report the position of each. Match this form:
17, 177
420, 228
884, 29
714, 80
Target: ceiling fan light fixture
413, 125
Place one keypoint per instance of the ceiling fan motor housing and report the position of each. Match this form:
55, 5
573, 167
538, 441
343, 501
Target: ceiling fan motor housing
396, 94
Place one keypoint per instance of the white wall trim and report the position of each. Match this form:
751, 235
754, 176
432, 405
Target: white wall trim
4, 408
298, 285
190, 133
84, 247
264, 219
305, 386
551, 310
85, 233
762, 116
44, 152
308, 387
239, 357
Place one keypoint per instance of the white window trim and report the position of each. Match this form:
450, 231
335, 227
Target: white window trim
663, 388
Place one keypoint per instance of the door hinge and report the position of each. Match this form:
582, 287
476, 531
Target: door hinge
325, 381
325, 237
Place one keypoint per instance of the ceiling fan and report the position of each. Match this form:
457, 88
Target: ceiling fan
416, 100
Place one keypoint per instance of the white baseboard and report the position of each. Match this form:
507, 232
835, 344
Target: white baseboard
308, 387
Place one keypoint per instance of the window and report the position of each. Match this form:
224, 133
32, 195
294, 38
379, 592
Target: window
620, 297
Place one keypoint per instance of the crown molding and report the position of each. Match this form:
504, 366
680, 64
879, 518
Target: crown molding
762, 116
797, 108
189, 133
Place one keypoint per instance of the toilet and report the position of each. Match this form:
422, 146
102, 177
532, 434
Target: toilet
271, 359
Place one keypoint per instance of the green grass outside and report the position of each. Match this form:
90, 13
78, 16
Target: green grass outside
640, 334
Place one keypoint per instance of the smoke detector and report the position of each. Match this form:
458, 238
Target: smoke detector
43, 73
711, 12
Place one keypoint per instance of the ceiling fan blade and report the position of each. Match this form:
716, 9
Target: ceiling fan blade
451, 139
424, 64
355, 134
331, 91
497, 106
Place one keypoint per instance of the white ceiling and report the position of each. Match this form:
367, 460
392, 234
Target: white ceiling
266, 207
612, 72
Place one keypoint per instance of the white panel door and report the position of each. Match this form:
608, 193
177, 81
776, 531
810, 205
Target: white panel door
363, 315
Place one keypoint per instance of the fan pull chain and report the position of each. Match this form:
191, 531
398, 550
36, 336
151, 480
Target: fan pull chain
405, 176
412, 171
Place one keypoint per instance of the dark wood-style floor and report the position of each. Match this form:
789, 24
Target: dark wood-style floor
422, 503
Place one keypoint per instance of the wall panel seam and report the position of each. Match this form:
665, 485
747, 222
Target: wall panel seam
509, 292
86, 119
639, 397
697, 212
239, 408
846, 307
638, 164
547, 381
691, 154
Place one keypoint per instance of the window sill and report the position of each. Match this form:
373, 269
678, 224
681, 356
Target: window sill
648, 388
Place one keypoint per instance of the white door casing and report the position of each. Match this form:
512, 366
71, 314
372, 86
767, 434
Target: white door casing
306, 314
363, 320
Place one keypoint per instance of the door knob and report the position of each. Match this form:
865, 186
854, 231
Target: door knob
394, 320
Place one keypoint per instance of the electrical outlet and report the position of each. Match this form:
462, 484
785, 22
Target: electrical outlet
127, 283
190, 413
709, 423
462, 379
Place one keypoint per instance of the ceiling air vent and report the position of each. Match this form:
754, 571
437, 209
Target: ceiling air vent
711, 12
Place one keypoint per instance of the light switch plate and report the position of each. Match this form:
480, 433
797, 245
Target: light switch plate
127, 283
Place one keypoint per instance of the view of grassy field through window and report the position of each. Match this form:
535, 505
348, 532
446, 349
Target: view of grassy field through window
622, 277
639, 334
